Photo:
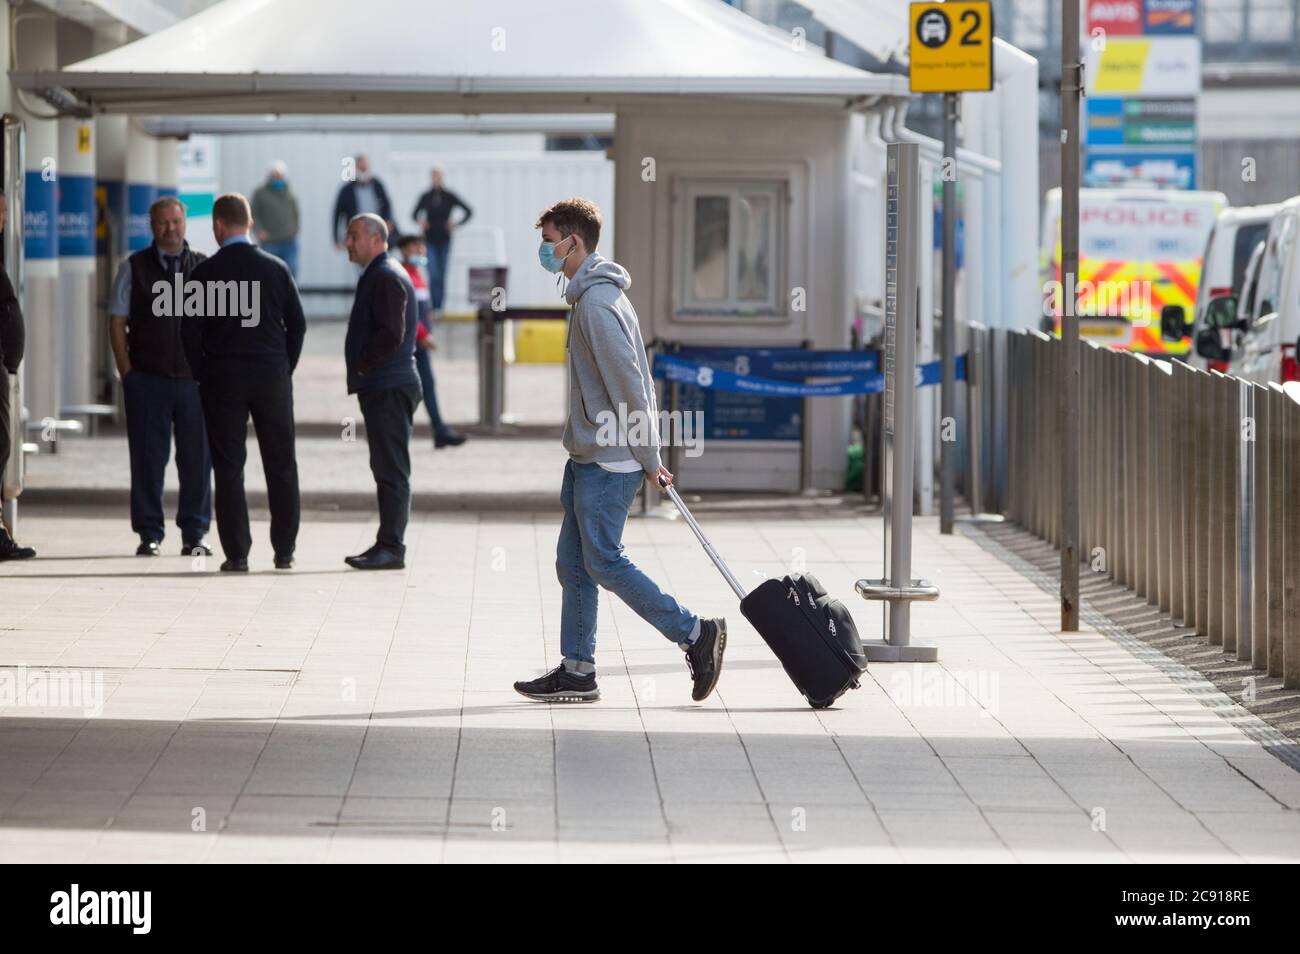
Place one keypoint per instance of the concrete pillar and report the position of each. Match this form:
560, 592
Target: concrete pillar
110, 164
168, 178
36, 42
77, 259
141, 185
80, 367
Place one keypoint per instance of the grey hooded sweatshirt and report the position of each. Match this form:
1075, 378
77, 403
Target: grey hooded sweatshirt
612, 410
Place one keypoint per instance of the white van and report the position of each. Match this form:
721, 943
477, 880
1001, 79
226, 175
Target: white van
1265, 349
1235, 234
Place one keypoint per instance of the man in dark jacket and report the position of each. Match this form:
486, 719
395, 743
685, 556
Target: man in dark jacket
434, 213
359, 196
147, 332
247, 351
380, 354
12, 340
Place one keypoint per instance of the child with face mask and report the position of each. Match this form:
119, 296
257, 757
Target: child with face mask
414, 260
612, 436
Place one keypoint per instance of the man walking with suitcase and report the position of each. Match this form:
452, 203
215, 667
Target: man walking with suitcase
609, 388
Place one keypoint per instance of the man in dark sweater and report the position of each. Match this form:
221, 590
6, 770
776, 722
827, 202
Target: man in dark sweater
251, 339
380, 354
362, 193
434, 213
12, 340
160, 393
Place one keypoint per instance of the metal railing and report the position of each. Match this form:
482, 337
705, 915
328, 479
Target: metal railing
1190, 494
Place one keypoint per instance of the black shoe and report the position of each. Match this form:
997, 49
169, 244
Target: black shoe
376, 558
448, 438
284, 562
148, 548
235, 566
560, 685
10, 550
704, 657
198, 548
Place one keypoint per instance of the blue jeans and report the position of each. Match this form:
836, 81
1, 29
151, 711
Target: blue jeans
424, 366
438, 255
286, 252
590, 553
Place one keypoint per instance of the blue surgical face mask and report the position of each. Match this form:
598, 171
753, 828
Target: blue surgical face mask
279, 184
419, 261
550, 261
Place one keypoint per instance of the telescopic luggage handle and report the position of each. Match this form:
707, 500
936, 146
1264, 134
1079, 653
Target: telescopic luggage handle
704, 541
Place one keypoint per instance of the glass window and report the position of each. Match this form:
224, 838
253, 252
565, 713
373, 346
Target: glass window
1222, 20
733, 245
712, 237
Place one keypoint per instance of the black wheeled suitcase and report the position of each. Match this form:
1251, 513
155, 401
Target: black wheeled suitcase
811, 632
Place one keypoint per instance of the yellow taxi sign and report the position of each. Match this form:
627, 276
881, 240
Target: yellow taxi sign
952, 47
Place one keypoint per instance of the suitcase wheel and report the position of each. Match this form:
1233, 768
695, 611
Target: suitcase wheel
821, 705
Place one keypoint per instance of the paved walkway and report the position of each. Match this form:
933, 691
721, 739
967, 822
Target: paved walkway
329, 715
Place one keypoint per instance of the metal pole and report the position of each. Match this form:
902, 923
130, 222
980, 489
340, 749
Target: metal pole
898, 357
1071, 89
948, 345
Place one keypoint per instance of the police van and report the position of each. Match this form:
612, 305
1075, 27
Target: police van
1140, 251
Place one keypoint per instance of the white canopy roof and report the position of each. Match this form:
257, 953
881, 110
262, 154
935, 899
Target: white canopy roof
454, 56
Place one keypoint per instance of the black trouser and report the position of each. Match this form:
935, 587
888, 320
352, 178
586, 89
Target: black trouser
388, 413
6, 440
232, 391
158, 409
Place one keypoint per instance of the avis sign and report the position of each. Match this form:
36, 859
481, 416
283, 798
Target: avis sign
952, 47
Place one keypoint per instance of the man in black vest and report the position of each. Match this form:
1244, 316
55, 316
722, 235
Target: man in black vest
160, 392
380, 354
251, 339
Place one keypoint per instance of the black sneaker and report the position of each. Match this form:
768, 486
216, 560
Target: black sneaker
560, 685
704, 657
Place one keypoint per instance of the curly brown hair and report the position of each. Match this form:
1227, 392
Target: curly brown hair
574, 215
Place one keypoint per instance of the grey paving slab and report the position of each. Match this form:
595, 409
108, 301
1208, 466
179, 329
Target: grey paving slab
326, 716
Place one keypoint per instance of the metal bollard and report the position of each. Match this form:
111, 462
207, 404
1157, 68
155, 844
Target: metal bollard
1145, 479
1118, 460
1277, 410
1187, 481
1228, 501
1290, 533
1202, 410
1214, 513
491, 367
1245, 526
1261, 521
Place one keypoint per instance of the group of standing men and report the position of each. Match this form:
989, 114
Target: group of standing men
196, 380
201, 378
